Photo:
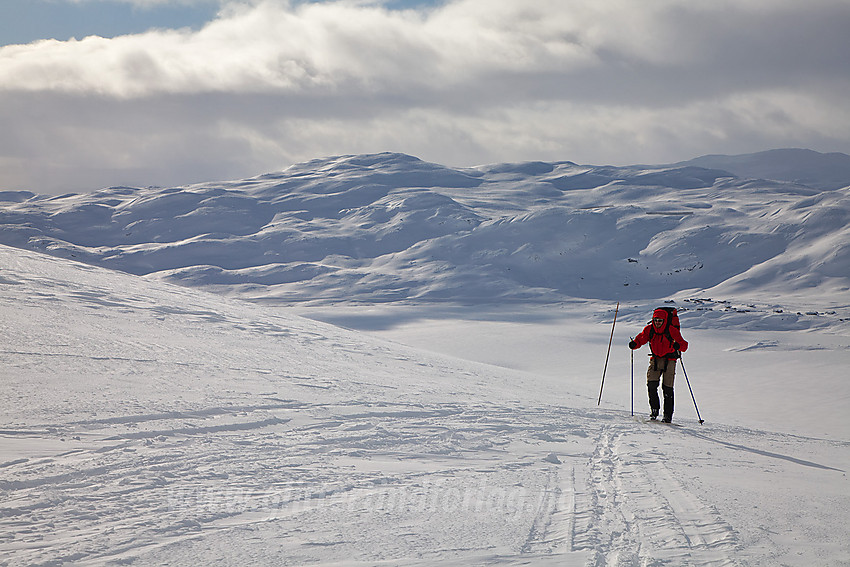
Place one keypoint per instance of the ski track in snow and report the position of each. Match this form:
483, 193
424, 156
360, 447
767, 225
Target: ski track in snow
637, 513
328, 483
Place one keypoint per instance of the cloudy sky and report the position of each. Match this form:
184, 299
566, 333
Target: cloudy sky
95, 93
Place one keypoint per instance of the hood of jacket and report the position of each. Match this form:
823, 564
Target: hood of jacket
662, 314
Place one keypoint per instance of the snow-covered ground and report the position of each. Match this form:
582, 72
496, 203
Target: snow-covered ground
439, 404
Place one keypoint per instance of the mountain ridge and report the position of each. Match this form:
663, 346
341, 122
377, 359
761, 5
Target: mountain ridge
806, 167
390, 227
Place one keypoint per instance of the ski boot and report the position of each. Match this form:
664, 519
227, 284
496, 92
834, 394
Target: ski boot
668, 404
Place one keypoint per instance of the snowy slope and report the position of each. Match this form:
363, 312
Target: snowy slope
149, 424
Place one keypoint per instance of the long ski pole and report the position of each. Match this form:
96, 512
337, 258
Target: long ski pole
701, 420
632, 352
604, 370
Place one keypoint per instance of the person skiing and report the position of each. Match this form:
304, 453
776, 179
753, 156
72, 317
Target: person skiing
665, 343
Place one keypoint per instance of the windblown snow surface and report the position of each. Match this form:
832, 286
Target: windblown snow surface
400, 364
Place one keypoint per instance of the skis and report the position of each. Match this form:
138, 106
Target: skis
670, 423
658, 421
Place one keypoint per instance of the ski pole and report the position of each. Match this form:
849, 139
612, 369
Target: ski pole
604, 370
632, 352
701, 420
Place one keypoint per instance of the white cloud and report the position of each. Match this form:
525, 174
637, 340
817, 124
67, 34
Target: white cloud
470, 81
274, 47
148, 3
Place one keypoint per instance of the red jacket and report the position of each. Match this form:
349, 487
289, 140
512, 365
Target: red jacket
659, 344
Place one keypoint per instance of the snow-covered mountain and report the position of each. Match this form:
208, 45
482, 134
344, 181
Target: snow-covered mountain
388, 227
806, 167
455, 420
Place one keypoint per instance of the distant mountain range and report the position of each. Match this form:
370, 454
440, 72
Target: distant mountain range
806, 167
390, 227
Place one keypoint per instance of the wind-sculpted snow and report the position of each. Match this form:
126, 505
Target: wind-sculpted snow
152, 424
389, 227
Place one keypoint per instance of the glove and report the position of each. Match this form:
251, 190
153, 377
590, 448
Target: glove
676, 346
632, 345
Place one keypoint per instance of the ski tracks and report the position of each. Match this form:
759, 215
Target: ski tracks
632, 511
445, 481
400, 480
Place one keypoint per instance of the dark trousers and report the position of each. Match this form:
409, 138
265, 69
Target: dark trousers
661, 370
655, 403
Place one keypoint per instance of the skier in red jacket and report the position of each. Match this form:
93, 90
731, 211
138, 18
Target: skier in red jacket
665, 343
